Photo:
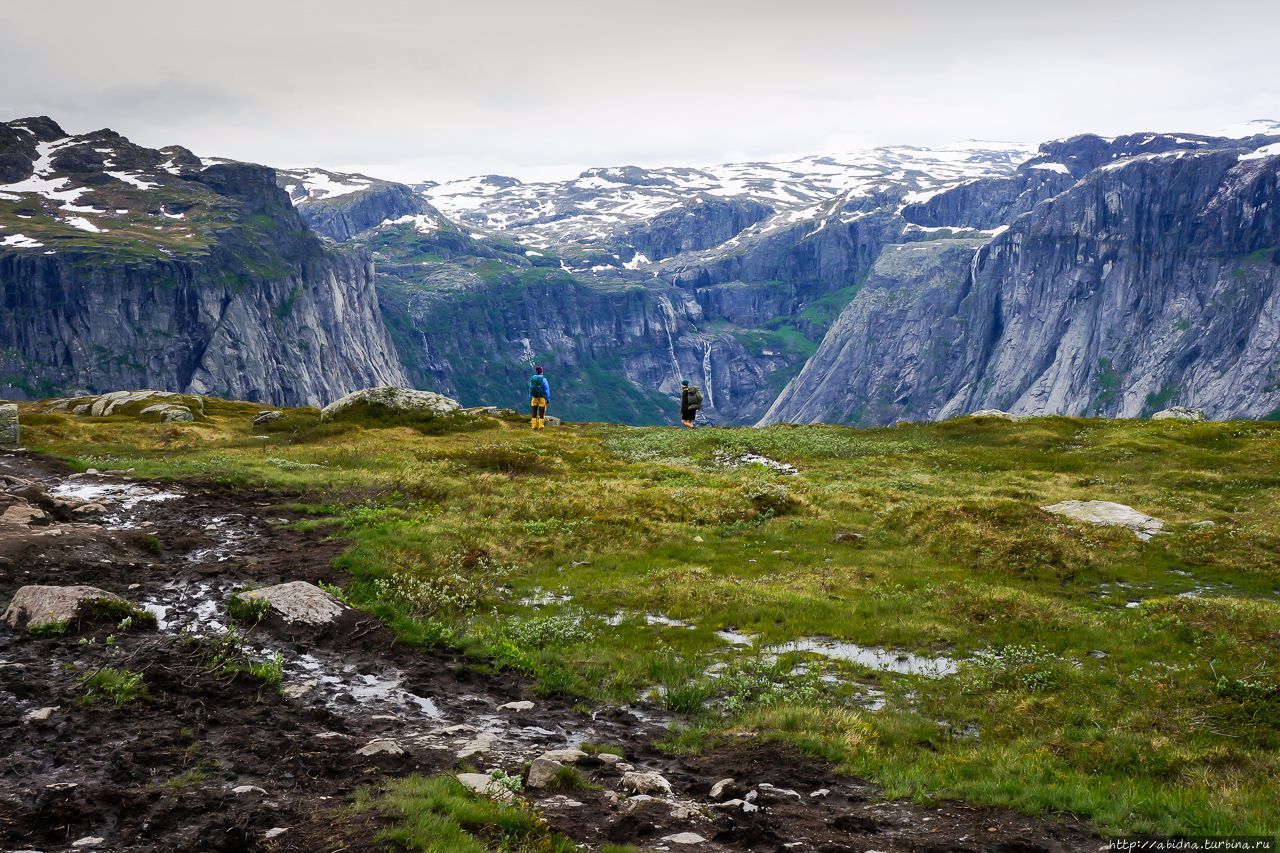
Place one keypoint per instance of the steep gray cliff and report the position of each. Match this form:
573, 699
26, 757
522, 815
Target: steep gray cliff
1150, 282
122, 267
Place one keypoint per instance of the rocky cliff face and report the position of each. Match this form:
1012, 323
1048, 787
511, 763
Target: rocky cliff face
1151, 281
123, 267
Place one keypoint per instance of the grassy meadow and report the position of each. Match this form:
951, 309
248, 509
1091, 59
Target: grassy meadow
1077, 669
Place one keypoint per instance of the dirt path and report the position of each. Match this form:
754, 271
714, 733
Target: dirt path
217, 762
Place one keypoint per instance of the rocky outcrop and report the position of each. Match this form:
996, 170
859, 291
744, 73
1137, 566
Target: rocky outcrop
392, 399
46, 607
1109, 513
295, 602
701, 223
1153, 280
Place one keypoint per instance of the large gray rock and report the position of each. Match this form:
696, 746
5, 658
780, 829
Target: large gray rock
10, 432
486, 786
298, 602
1106, 512
40, 606
1179, 413
397, 399
139, 402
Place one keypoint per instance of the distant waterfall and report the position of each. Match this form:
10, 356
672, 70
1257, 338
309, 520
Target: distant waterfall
669, 322
706, 374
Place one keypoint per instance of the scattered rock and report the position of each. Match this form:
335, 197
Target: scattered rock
22, 515
552, 421
267, 417
275, 831
486, 786
89, 841
169, 413
645, 782
609, 758
686, 812
542, 772
395, 399
381, 746
524, 705
1202, 525
125, 402
847, 536
1179, 413
564, 756
39, 714
559, 801
90, 509
685, 838
478, 745
1109, 513
248, 789
820, 794
298, 602
302, 688
719, 789
996, 413
10, 431
38, 606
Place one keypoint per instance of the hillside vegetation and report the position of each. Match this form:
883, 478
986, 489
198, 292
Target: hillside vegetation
1050, 665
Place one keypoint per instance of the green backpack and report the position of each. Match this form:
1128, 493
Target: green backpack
535, 387
695, 397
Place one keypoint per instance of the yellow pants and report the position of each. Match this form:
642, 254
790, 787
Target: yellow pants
538, 412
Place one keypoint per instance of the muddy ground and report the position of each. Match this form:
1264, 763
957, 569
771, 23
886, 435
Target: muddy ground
213, 761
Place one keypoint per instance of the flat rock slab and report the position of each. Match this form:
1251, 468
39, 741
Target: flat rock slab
298, 602
37, 606
396, 399
995, 413
1179, 413
1109, 513
486, 786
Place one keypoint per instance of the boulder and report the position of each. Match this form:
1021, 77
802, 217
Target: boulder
169, 413
645, 782
40, 606
1107, 512
552, 421
685, 838
396, 399
10, 432
1179, 413
21, 515
542, 772
267, 417
144, 402
564, 756
298, 602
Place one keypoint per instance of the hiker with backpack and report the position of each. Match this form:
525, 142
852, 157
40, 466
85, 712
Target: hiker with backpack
539, 396
690, 402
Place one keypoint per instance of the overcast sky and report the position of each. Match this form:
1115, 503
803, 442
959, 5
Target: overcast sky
543, 88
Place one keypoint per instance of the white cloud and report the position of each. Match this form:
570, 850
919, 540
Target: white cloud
415, 90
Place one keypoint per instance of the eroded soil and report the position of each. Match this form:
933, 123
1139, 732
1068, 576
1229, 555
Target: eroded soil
213, 761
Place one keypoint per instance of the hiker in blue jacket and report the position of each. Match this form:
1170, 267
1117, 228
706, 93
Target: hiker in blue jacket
540, 395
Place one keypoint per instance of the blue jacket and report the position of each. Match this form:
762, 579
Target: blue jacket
546, 386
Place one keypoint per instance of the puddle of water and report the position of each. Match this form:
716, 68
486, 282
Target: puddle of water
660, 619
885, 660
732, 462
333, 683
123, 498
540, 597
736, 638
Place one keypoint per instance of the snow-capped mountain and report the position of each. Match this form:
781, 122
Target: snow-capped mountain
602, 205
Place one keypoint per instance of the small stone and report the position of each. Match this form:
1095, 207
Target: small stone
20, 515
1201, 525
460, 728
685, 811
524, 705
685, 838
275, 831
62, 786
381, 746
564, 756
608, 758
266, 417
718, 789
90, 509
645, 782
820, 793
542, 772
248, 789
697, 539
729, 805
89, 841
1098, 654
486, 786
767, 790
302, 688
40, 714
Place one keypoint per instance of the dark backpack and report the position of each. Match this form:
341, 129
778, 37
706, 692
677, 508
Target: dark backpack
536, 388
695, 398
